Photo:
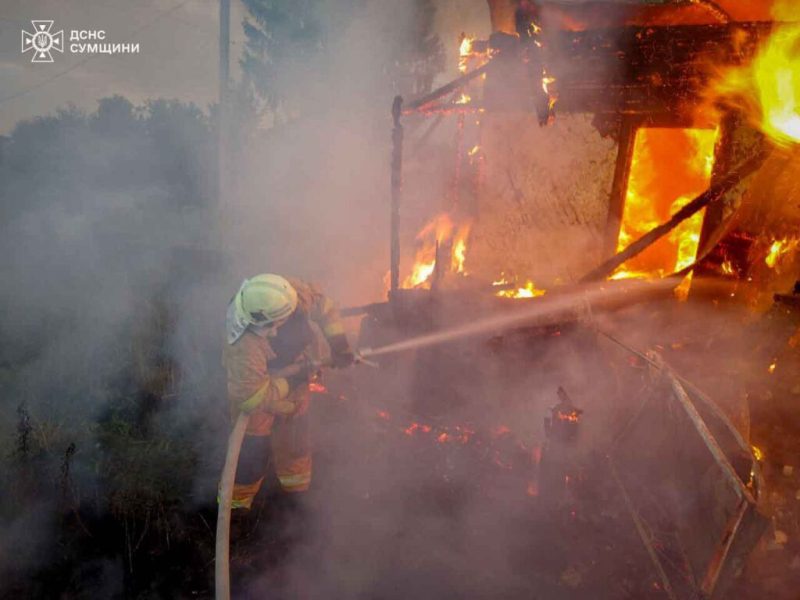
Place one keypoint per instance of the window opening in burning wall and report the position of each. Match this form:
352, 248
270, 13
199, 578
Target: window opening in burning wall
670, 166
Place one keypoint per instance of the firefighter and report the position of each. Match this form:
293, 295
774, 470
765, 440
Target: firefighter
269, 326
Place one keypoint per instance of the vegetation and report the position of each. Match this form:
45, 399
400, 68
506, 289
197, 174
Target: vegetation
106, 393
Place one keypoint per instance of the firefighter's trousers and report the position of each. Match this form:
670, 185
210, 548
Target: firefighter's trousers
287, 440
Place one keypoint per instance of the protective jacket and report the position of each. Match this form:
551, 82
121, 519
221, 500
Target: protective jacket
279, 422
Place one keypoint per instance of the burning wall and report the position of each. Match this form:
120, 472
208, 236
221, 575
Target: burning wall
544, 200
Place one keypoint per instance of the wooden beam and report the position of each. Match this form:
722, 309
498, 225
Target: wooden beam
710, 195
619, 186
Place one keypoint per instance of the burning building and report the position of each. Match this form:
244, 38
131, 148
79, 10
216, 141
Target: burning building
677, 96
689, 114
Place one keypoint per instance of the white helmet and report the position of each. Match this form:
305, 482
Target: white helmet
262, 300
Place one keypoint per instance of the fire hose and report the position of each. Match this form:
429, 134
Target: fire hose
543, 310
222, 581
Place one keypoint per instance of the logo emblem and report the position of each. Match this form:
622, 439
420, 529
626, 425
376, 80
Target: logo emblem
42, 41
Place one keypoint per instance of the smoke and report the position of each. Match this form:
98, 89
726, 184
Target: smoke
119, 263
104, 221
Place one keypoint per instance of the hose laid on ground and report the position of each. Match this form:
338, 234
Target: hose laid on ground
222, 575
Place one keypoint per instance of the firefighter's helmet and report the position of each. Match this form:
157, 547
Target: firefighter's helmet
265, 299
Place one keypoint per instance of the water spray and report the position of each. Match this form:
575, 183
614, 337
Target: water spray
541, 310
544, 309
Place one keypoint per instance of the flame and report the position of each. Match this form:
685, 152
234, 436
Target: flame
727, 267
317, 388
439, 231
768, 88
436, 231
420, 273
528, 291
669, 168
464, 51
547, 80
463, 99
773, 365
779, 249
459, 255
758, 454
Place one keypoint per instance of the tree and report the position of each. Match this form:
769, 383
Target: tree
295, 47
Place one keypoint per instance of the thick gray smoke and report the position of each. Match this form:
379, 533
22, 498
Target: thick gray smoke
117, 264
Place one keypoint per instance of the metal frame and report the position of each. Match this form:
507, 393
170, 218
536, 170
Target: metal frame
742, 529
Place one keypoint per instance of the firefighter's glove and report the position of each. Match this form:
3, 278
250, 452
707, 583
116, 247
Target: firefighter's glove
302, 375
341, 354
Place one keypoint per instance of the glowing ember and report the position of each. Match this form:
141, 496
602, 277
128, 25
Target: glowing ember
500, 430
528, 291
415, 427
463, 99
669, 168
474, 150
779, 249
317, 388
773, 365
768, 89
571, 416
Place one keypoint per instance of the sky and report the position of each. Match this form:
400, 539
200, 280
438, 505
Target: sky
178, 55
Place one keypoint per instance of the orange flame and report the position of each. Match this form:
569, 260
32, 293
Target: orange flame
669, 168
727, 267
768, 88
547, 81
440, 230
758, 454
464, 52
779, 249
435, 232
459, 254
529, 290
